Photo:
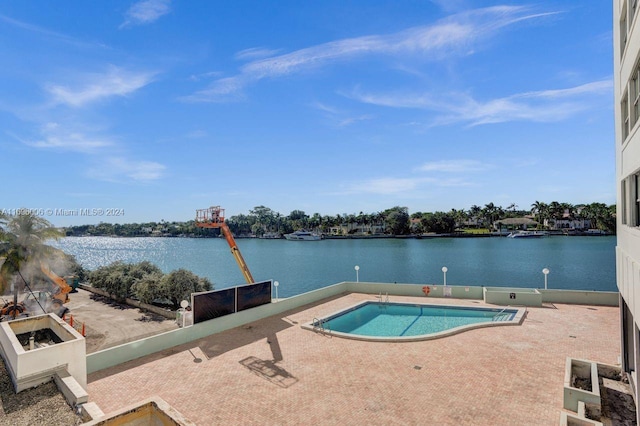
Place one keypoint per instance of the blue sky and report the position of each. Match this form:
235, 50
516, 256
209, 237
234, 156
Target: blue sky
162, 107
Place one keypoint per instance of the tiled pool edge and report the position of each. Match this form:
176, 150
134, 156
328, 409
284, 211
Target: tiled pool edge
516, 320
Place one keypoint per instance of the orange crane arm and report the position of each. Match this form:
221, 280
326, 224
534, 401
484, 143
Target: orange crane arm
65, 288
235, 251
213, 217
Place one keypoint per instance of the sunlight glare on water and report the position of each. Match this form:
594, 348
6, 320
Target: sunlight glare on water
581, 263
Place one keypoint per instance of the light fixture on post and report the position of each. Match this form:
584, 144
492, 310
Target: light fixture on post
545, 271
357, 268
276, 284
444, 272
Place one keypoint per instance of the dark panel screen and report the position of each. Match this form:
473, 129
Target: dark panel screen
252, 295
213, 304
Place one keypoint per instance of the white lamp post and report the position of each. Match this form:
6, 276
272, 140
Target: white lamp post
357, 268
545, 271
444, 272
276, 284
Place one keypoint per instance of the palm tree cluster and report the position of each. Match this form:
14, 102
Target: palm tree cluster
262, 220
601, 216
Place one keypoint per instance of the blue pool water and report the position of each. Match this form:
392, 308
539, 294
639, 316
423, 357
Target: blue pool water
400, 320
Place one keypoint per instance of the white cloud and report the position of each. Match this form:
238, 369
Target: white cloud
57, 137
341, 118
113, 169
454, 166
325, 108
222, 90
596, 87
198, 77
146, 12
48, 34
387, 186
115, 82
99, 152
451, 36
255, 53
539, 106
395, 186
351, 120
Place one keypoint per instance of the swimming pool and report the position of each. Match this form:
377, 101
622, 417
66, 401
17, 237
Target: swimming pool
410, 321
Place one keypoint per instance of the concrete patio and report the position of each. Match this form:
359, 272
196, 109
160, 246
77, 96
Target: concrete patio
273, 372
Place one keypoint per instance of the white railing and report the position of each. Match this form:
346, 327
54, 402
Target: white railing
494, 318
380, 298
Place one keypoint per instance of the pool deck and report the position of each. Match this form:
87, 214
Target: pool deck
273, 372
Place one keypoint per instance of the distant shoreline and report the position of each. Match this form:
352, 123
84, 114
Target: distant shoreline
360, 237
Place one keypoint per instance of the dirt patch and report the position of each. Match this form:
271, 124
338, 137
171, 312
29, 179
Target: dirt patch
109, 323
151, 317
617, 402
584, 384
110, 302
43, 405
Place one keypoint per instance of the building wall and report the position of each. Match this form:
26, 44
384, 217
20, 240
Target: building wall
626, 54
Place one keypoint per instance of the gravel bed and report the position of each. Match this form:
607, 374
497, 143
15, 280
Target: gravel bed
42, 405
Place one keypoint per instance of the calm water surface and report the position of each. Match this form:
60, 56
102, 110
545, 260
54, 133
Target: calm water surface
578, 263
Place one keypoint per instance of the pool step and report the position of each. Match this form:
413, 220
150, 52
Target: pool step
502, 317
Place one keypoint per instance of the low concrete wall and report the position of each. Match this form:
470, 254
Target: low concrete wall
513, 296
132, 350
435, 290
581, 297
136, 303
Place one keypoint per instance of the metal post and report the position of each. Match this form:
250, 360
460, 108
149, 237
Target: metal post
444, 272
357, 268
545, 271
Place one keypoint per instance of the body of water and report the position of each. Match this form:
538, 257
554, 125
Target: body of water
577, 263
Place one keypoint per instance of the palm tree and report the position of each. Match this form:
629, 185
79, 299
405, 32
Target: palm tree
556, 210
475, 213
22, 239
540, 211
489, 213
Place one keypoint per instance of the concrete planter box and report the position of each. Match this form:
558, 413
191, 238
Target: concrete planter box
510, 296
568, 419
36, 349
153, 411
585, 373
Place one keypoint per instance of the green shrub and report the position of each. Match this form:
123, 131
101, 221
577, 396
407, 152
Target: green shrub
146, 282
178, 285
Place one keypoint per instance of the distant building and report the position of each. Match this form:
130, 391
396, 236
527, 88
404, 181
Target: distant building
626, 65
567, 223
514, 223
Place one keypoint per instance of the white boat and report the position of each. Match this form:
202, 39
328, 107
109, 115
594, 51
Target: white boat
302, 236
527, 234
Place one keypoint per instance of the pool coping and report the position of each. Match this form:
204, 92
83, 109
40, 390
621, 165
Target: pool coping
516, 320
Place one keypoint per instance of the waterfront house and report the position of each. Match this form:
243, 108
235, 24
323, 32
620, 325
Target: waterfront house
514, 223
568, 223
